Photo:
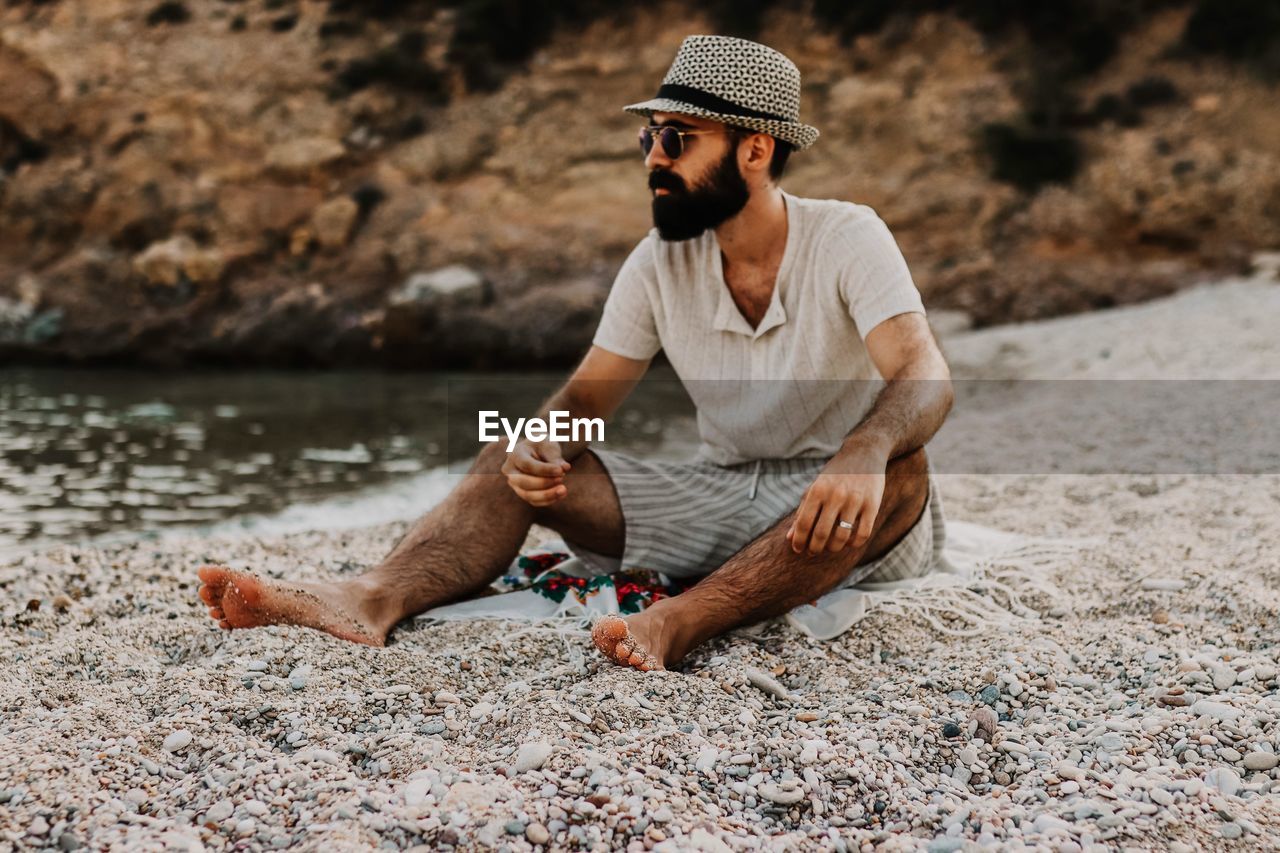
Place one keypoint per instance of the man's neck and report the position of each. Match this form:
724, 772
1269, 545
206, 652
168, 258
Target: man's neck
757, 236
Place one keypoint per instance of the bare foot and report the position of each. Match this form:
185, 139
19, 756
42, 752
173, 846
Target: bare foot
244, 600
629, 642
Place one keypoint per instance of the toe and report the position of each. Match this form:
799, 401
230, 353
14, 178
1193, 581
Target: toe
216, 614
208, 595
213, 575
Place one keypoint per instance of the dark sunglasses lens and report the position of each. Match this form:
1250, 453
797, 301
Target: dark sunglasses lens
646, 141
671, 143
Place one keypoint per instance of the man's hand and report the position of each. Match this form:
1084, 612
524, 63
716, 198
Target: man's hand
850, 488
535, 471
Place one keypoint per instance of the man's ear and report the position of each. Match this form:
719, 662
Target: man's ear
759, 151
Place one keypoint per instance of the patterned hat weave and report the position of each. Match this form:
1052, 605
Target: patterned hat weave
735, 81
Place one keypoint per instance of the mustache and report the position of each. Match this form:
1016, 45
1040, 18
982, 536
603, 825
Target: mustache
662, 180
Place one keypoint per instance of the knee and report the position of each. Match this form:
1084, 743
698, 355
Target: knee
913, 465
490, 459
911, 473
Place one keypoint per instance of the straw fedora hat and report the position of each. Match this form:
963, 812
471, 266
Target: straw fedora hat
734, 81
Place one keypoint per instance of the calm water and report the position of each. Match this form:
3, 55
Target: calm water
90, 453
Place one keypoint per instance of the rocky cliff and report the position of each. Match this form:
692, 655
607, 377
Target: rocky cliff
417, 184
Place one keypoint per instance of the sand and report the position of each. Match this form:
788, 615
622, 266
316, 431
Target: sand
1140, 710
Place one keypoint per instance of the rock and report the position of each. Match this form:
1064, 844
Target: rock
968, 755
334, 221
705, 842
1168, 584
298, 676
14, 317
1161, 797
438, 156
177, 741
514, 827
663, 815
480, 710
1224, 779
1174, 700
1231, 830
989, 694
452, 286
536, 833
1111, 742
1261, 761
531, 756
30, 103
776, 794
169, 261
304, 157
220, 811
987, 722
1223, 676
472, 796
415, 793
444, 697
766, 683
1047, 822
950, 730
252, 212
257, 808
1217, 710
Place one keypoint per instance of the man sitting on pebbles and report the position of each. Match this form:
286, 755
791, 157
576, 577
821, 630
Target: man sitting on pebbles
810, 477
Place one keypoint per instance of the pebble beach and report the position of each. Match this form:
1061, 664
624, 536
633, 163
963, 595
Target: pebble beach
1139, 710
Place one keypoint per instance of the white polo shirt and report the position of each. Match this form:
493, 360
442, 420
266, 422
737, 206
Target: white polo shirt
797, 384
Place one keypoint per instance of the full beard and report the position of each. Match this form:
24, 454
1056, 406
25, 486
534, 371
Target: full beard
684, 214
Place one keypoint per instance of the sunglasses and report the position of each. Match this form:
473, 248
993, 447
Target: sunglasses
672, 139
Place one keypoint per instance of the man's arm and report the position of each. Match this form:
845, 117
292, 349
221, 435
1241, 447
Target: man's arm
918, 396
535, 469
906, 414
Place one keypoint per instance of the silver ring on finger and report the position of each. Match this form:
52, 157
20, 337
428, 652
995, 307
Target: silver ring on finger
846, 525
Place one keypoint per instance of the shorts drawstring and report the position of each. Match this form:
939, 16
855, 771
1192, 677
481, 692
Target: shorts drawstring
754, 480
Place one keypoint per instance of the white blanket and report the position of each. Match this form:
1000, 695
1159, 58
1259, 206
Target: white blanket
978, 584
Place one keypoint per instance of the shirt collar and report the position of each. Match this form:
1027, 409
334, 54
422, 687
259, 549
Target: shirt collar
728, 318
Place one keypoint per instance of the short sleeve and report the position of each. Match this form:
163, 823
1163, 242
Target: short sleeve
874, 280
627, 326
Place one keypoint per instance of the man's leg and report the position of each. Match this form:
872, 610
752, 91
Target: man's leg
764, 579
455, 550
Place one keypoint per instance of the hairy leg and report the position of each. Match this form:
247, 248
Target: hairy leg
764, 579
453, 551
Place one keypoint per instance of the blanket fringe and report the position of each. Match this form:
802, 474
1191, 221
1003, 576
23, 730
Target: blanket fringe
991, 596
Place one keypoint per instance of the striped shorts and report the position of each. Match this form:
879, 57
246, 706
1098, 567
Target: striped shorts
685, 519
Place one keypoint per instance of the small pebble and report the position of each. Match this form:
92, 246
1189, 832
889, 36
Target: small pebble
177, 741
